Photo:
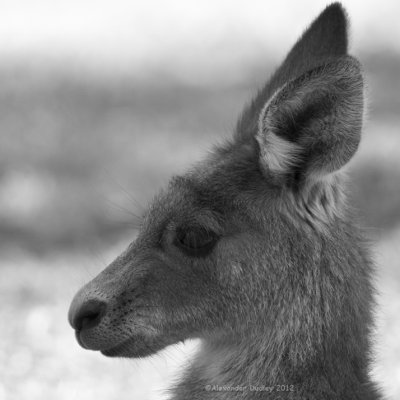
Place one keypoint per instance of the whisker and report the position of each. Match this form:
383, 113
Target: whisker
125, 191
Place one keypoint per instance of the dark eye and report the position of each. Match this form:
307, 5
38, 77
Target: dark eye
195, 241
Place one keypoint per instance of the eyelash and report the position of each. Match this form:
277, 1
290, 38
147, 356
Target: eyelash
195, 241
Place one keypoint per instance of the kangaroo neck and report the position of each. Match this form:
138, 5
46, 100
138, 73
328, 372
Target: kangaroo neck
248, 370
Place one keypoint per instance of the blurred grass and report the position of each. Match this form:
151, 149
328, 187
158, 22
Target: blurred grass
72, 148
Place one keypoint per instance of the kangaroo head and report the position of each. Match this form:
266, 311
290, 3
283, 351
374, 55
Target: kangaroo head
234, 247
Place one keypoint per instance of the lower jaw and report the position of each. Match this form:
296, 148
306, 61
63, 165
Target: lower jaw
120, 350
128, 349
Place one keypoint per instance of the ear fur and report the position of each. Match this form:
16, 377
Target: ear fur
324, 40
311, 127
307, 132
307, 120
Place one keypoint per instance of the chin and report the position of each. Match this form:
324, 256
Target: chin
134, 347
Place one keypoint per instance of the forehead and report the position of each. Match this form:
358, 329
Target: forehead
213, 187
186, 200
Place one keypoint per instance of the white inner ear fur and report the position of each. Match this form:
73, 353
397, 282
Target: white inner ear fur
277, 155
321, 197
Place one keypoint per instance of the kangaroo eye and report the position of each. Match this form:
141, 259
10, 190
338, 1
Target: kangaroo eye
195, 241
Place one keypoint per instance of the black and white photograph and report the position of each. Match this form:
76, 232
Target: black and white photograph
199, 200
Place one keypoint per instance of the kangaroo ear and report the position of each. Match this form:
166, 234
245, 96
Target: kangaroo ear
312, 125
324, 40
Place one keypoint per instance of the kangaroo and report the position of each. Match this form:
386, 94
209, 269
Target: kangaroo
253, 251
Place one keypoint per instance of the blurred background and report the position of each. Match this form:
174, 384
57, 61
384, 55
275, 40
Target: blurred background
100, 102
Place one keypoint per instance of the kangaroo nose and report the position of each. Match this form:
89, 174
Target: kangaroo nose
86, 315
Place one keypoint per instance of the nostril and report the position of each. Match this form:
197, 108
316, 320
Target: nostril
88, 315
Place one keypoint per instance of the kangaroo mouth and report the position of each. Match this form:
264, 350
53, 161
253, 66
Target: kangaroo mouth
129, 342
97, 341
134, 347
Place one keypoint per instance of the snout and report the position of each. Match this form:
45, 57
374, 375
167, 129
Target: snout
114, 313
85, 315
